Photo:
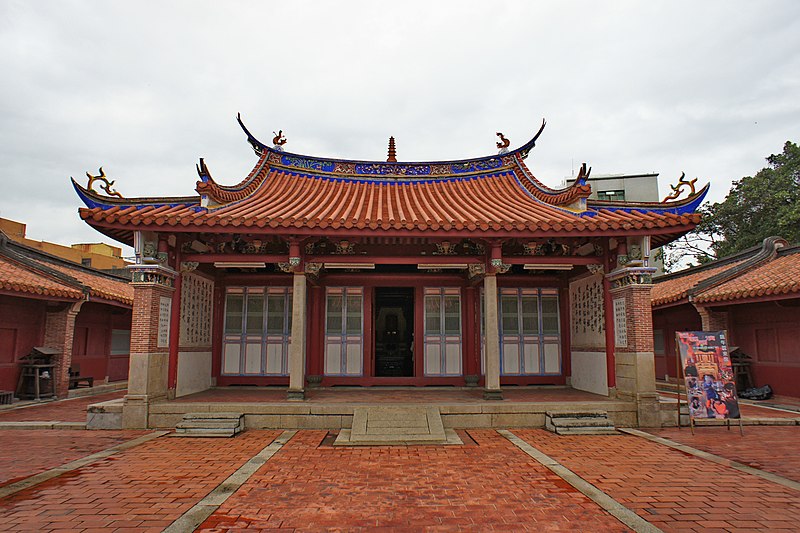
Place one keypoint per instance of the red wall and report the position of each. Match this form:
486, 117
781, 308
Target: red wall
91, 347
769, 332
21, 328
669, 320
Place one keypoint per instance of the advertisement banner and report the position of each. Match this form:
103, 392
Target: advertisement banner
707, 371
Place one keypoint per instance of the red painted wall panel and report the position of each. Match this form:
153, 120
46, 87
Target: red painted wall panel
91, 347
21, 328
669, 320
769, 332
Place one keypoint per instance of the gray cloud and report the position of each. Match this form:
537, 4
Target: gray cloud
145, 88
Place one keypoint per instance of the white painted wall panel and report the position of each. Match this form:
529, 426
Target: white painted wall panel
194, 372
589, 372
231, 363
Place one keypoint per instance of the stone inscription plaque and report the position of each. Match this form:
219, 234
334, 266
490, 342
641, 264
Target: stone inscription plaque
620, 324
164, 313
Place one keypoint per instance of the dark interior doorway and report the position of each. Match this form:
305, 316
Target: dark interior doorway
394, 332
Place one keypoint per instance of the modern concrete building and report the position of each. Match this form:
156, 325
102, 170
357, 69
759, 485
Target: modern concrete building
627, 188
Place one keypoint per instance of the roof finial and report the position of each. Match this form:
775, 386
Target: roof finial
392, 152
503, 145
104, 183
278, 141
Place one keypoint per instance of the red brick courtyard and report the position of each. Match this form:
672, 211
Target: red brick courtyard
486, 484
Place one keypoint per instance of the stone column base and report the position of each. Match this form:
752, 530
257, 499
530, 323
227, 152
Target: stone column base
648, 410
296, 395
135, 410
492, 394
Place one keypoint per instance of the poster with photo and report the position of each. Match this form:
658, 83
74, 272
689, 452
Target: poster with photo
707, 371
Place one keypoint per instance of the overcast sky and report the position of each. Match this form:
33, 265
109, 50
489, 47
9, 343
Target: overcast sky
146, 88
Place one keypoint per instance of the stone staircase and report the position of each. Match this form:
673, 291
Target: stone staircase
584, 422
396, 426
210, 425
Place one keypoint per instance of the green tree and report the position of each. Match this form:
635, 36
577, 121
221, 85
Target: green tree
756, 207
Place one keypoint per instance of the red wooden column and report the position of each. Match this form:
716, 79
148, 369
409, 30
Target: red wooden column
150, 339
472, 368
608, 314
175, 327
316, 325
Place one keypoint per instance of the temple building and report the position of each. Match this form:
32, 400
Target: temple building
315, 272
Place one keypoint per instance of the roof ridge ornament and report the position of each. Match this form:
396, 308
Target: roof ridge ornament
392, 155
105, 184
278, 141
677, 189
503, 145
583, 175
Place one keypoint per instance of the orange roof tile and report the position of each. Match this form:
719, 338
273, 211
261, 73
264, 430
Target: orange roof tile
28, 271
17, 278
777, 277
494, 202
288, 192
677, 288
100, 286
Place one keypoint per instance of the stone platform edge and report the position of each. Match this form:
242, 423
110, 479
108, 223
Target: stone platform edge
340, 416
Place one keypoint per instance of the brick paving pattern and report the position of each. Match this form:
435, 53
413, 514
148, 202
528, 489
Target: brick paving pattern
73, 410
669, 489
770, 448
25, 453
747, 410
485, 485
142, 489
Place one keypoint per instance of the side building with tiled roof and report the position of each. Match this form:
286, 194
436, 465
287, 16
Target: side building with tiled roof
755, 295
82, 313
318, 272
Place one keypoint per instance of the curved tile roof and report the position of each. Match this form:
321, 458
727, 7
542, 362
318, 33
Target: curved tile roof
288, 192
292, 200
780, 276
100, 286
677, 288
16, 278
28, 271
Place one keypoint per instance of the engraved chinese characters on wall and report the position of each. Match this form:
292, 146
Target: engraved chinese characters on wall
197, 295
620, 324
586, 308
164, 312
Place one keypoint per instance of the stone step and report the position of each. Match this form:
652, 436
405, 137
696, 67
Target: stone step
583, 413
587, 431
206, 434
212, 416
396, 426
210, 425
581, 422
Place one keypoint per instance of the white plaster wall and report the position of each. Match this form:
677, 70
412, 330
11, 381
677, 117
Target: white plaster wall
194, 372
587, 315
589, 372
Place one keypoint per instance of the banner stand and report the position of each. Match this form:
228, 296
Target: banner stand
712, 395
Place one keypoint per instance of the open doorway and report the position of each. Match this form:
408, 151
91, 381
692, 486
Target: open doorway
394, 332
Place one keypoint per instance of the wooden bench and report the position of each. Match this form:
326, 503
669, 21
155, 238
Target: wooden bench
75, 378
